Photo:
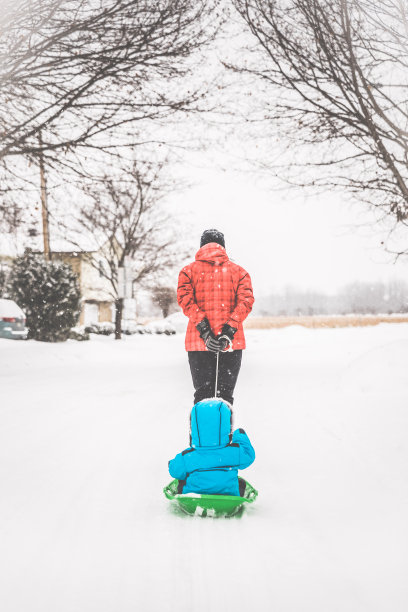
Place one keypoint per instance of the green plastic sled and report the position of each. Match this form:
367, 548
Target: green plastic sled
210, 505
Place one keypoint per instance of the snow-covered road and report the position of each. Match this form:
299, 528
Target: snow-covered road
86, 430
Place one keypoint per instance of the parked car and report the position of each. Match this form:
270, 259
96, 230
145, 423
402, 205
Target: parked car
12, 320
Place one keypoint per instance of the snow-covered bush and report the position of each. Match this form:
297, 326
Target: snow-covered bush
178, 321
49, 294
105, 328
160, 327
131, 327
78, 333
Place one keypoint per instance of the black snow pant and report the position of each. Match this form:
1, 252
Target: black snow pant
203, 369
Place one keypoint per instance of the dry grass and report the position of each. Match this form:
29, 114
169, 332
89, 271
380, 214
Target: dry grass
323, 321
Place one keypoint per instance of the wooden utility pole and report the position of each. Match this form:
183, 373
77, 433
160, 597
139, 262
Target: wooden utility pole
44, 208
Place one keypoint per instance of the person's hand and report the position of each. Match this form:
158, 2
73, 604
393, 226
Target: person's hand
208, 336
226, 336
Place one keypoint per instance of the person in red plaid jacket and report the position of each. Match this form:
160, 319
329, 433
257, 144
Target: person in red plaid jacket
216, 296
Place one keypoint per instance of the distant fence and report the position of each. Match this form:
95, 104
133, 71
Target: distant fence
351, 320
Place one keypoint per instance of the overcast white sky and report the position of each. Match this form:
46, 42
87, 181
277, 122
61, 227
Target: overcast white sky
283, 238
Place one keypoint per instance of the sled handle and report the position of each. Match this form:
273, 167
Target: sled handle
252, 495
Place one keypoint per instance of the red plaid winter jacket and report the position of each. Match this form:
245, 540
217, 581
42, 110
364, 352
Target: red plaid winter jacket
212, 286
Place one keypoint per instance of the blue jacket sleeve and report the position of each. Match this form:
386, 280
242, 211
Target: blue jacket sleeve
177, 467
246, 451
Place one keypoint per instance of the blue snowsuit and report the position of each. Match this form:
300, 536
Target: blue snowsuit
210, 465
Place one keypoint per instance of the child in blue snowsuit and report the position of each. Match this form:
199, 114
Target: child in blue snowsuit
211, 463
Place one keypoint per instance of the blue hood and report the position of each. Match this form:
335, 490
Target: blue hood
210, 424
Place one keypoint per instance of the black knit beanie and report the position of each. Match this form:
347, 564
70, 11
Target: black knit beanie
212, 235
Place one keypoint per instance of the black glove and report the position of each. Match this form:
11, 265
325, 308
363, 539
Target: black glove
207, 335
226, 336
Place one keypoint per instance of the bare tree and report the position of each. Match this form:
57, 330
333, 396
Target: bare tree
166, 298
124, 218
81, 73
335, 77
78, 78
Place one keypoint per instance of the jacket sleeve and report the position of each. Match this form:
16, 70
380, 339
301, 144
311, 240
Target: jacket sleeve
246, 451
186, 298
244, 301
177, 467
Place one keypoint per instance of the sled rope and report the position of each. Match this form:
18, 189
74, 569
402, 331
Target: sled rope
216, 375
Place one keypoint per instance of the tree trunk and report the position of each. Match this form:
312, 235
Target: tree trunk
44, 207
118, 318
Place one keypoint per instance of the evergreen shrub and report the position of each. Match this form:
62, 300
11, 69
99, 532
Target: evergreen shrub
48, 292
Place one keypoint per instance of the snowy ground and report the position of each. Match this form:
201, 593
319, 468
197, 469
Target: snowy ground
86, 430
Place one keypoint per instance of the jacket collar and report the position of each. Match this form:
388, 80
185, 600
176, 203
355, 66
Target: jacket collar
212, 253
